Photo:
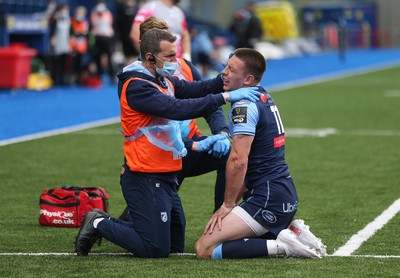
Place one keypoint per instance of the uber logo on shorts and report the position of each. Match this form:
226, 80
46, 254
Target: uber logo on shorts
239, 115
164, 216
268, 216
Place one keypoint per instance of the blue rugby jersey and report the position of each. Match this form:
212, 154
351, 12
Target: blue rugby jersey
267, 155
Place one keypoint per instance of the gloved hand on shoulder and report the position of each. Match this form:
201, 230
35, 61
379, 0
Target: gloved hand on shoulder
249, 93
220, 148
206, 144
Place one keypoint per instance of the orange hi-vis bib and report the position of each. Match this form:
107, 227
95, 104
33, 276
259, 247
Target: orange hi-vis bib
185, 72
141, 155
79, 44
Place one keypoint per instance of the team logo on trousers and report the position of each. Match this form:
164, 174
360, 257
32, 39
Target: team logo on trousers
164, 217
268, 216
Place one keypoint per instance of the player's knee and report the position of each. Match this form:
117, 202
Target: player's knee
201, 251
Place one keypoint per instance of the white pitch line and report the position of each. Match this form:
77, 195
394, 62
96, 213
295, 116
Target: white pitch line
275, 88
59, 131
356, 240
303, 132
74, 254
377, 256
174, 254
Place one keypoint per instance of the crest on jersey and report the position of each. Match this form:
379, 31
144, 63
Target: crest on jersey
239, 115
164, 216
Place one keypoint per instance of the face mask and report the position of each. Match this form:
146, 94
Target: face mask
168, 68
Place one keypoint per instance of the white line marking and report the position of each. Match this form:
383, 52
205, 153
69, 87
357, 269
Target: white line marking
59, 131
90, 254
290, 132
392, 93
275, 88
377, 256
174, 254
356, 240
302, 132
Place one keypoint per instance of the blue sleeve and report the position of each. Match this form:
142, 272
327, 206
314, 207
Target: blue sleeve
189, 141
146, 98
244, 118
216, 121
195, 89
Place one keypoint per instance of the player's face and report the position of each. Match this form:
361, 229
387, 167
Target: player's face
233, 74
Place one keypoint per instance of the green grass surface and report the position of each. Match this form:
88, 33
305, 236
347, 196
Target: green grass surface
344, 181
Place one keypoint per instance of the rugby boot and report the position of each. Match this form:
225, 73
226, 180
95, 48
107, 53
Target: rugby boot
106, 216
293, 247
87, 235
305, 236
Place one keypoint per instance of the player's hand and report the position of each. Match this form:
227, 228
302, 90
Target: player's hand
249, 93
216, 219
206, 144
220, 148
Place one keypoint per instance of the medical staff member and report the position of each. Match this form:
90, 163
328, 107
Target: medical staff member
196, 163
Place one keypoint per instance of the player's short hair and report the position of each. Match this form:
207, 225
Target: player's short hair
150, 41
150, 23
253, 60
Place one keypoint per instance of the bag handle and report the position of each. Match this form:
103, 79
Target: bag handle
76, 203
77, 189
50, 193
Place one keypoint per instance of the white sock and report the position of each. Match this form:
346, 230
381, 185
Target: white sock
274, 248
97, 221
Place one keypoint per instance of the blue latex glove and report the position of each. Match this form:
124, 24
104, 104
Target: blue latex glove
207, 144
184, 127
220, 148
249, 93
